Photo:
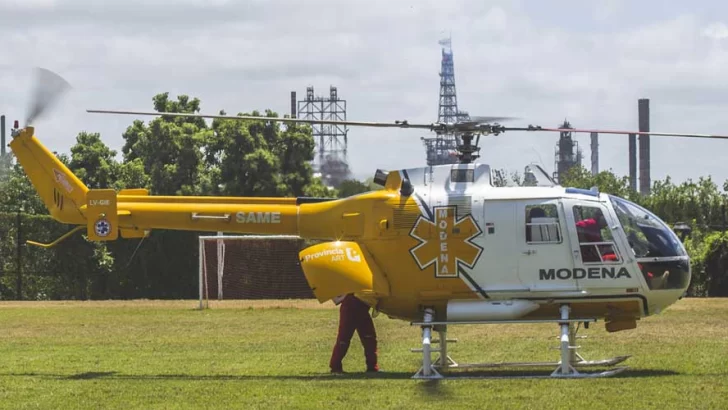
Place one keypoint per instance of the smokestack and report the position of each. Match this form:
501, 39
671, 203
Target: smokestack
644, 124
293, 104
2, 135
633, 162
594, 153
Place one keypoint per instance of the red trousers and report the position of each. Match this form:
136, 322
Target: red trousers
354, 315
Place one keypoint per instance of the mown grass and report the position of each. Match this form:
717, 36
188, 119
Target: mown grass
271, 354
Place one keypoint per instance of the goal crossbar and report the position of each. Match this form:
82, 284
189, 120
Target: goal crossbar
220, 238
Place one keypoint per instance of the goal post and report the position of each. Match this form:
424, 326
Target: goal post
233, 267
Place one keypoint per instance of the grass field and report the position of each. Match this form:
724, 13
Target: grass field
166, 354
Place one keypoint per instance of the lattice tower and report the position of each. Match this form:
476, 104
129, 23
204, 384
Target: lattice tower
442, 149
331, 140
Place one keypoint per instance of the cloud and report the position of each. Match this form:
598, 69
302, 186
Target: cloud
717, 31
542, 62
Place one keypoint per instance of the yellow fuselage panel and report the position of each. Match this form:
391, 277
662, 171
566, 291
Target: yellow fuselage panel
61, 191
338, 268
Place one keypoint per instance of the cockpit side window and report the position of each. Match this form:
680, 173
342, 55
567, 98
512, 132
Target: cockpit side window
595, 239
542, 224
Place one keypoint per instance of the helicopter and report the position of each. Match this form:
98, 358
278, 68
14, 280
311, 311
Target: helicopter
437, 246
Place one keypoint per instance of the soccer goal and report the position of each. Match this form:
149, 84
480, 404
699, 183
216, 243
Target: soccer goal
235, 267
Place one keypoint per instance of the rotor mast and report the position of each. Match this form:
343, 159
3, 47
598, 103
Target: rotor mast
467, 151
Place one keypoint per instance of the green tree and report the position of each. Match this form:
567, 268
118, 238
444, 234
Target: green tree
701, 202
262, 158
131, 174
351, 187
93, 161
170, 148
16, 192
605, 181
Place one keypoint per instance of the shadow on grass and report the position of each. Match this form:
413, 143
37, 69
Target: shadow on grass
89, 376
214, 377
498, 374
428, 386
433, 388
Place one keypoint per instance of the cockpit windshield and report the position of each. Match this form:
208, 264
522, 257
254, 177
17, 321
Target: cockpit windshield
661, 257
648, 236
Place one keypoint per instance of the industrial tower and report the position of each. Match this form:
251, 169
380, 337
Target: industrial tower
2, 136
594, 153
442, 149
331, 140
643, 112
567, 153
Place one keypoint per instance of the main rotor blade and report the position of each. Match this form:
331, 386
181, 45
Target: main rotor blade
48, 88
664, 134
470, 126
396, 124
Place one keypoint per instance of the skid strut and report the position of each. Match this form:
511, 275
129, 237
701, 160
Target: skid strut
566, 367
567, 346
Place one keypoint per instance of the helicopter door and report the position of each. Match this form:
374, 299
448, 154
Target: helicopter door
497, 270
597, 259
543, 251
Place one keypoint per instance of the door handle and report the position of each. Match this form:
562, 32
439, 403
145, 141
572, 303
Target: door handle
529, 252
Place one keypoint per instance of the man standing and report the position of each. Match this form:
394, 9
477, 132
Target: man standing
354, 315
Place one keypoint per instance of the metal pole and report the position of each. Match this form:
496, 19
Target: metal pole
2, 136
19, 283
201, 266
643, 105
293, 104
633, 162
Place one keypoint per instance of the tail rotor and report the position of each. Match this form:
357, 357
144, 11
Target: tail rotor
49, 87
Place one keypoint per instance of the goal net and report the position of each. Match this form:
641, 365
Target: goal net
251, 267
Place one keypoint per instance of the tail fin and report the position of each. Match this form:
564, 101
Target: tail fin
61, 191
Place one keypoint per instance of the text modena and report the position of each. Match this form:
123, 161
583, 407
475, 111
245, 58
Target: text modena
579, 273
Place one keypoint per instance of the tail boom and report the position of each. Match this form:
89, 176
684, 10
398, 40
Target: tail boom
236, 216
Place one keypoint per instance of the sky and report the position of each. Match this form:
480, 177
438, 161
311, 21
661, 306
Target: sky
543, 62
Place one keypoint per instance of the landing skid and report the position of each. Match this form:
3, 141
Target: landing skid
564, 368
581, 363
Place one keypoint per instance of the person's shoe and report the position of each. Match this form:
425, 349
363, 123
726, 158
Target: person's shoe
337, 371
373, 370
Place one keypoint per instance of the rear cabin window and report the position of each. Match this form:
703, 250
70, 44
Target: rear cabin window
542, 224
595, 239
462, 175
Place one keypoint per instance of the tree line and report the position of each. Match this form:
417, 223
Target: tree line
187, 156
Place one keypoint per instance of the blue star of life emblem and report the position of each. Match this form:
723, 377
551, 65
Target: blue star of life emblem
103, 227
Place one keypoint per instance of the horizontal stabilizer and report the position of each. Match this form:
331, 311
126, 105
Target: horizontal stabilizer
134, 233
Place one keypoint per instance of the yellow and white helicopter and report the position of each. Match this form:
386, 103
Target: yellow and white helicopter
437, 246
